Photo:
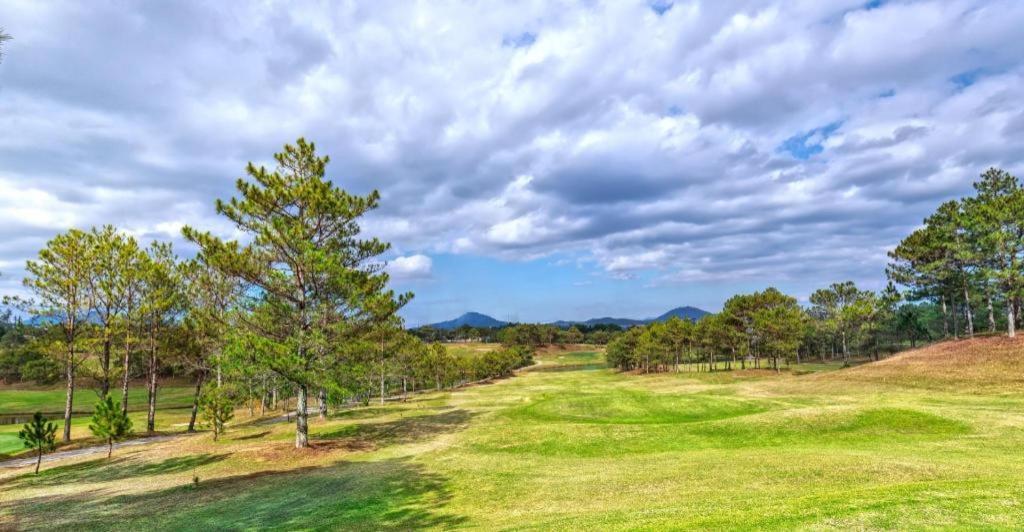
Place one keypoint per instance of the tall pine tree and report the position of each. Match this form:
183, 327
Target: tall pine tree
309, 279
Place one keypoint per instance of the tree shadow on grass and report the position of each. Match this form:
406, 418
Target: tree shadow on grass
254, 436
408, 429
117, 468
387, 494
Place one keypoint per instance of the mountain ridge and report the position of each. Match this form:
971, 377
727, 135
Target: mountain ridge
477, 319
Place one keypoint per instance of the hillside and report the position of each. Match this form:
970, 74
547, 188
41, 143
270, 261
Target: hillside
686, 313
473, 319
980, 364
476, 319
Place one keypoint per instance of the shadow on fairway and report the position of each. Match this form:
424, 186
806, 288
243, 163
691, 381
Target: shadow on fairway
116, 468
412, 428
255, 436
389, 494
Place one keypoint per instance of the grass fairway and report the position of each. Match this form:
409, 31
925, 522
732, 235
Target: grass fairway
21, 402
569, 444
18, 401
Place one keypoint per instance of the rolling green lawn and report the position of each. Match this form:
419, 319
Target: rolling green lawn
570, 444
15, 401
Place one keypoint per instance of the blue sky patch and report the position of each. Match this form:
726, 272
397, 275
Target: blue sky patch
660, 6
968, 78
804, 145
522, 40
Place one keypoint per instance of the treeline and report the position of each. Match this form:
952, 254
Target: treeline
967, 260
297, 306
531, 334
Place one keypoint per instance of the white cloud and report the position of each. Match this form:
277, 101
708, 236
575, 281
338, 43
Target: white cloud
410, 267
644, 141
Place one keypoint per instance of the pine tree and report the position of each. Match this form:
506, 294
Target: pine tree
217, 407
306, 274
160, 301
996, 216
39, 435
59, 278
110, 423
209, 299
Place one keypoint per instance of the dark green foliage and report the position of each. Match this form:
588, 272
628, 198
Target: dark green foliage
110, 423
310, 282
39, 435
496, 364
17, 349
217, 407
41, 370
968, 258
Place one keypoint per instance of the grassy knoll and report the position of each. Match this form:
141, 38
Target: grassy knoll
569, 444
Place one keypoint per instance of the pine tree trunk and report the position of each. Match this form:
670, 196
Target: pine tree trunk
967, 310
69, 397
991, 313
945, 319
195, 403
1010, 323
39, 459
151, 416
846, 352
321, 398
301, 420
105, 366
382, 381
125, 364
956, 324
110, 447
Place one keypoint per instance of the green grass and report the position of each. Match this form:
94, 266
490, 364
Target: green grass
569, 444
16, 401
13, 401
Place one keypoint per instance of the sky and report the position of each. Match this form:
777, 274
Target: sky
536, 160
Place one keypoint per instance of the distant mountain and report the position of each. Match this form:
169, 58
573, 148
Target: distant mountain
686, 313
473, 319
621, 322
35, 320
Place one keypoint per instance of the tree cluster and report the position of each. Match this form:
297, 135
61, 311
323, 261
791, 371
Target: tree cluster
968, 258
297, 307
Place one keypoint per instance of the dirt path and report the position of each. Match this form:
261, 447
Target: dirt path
86, 451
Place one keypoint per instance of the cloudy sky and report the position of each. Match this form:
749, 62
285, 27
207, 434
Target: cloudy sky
536, 160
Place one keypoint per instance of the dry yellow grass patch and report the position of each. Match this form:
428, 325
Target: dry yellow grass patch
980, 364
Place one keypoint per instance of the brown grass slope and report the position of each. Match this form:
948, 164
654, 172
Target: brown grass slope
979, 365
